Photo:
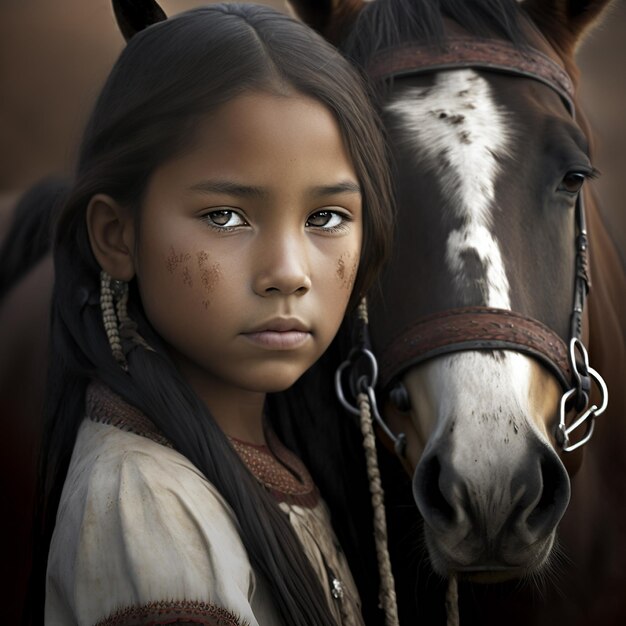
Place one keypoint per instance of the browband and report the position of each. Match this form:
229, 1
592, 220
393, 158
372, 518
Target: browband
465, 52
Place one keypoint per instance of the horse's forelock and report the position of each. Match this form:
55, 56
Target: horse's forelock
389, 24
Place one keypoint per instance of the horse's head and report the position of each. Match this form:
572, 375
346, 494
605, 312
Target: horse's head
475, 314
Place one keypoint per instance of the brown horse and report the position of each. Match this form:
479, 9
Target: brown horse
492, 158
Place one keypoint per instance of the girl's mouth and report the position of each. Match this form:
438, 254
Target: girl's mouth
278, 339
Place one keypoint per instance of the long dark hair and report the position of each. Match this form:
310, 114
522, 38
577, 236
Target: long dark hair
167, 77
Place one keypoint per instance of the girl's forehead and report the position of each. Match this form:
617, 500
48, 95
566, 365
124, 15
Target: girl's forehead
267, 139
269, 107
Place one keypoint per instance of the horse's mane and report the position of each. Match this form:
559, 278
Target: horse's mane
29, 236
391, 23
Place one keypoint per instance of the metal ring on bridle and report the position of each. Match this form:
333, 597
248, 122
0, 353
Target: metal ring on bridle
563, 432
366, 385
581, 377
399, 440
362, 383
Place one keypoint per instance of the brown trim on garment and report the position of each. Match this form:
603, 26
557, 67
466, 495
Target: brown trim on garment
178, 612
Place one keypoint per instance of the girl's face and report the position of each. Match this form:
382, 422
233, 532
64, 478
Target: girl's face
249, 244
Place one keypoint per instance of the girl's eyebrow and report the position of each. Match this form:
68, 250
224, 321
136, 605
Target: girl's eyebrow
249, 191
229, 187
346, 186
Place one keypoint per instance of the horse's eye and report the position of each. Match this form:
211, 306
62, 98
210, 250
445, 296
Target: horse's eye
572, 182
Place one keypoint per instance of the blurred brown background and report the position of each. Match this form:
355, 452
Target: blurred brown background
55, 55
602, 61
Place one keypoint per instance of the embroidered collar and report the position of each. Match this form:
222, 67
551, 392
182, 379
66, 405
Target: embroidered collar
280, 471
104, 406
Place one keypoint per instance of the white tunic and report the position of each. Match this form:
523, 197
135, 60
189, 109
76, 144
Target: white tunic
142, 537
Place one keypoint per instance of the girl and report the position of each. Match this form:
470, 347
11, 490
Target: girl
231, 202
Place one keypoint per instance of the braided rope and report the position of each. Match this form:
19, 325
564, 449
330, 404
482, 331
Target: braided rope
452, 601
121, 305
362, 311
128, 327
388, 594
387, 585
110, 321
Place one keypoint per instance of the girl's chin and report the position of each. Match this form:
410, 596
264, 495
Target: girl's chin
278, 385
278, 381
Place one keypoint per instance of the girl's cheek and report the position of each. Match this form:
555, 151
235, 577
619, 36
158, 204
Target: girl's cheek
176, 260
347, 266
194, 272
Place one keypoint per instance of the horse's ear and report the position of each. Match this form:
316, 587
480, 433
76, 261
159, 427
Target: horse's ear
566, 22
331, 18
135, 15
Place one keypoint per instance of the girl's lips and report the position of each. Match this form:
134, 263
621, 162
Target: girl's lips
278, 339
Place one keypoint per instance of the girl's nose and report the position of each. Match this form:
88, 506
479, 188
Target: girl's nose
282, 267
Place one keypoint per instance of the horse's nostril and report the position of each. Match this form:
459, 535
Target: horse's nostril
432, 495
555, 490
493, 506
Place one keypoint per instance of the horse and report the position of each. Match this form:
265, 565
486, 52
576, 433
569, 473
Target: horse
480, 327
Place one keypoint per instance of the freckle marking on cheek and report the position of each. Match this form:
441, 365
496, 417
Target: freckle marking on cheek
175, 259
341, 269
187, 276
346, 279
203, 257
209, 275
353, 271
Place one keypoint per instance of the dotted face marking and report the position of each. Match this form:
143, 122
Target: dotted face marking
346, 270
209, 275
174, 260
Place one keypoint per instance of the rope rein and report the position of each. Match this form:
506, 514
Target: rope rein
367, 410
452, 601
387, 584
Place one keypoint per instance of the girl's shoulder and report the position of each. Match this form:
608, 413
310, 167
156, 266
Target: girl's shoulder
139, 528
109, 457
113, 464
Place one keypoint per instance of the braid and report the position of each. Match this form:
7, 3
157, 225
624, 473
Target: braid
110, 320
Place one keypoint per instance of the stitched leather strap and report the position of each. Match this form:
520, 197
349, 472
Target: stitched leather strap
460, 52
475, 328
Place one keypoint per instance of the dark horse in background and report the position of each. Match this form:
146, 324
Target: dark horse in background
492, 165
488, 168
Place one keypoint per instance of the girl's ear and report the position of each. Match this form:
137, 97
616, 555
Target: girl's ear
112, 236
331, 18
135, 15
566, 22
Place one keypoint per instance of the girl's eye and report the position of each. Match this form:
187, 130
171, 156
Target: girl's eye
327, 220
225, 218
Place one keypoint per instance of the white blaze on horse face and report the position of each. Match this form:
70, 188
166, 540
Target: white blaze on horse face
460, 132
450, 394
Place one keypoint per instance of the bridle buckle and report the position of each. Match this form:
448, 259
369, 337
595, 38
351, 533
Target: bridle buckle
583, 376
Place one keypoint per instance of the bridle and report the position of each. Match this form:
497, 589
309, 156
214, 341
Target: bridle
479, 327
